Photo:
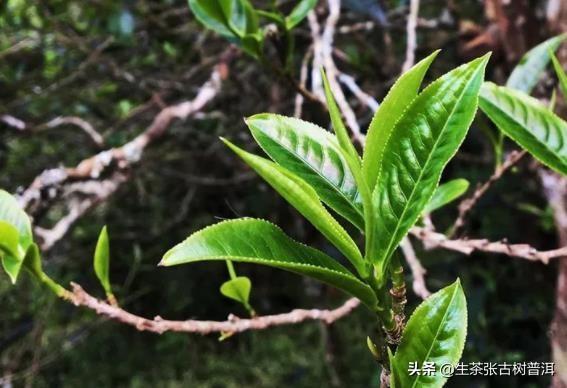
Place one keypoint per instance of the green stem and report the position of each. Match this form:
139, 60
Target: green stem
231, 271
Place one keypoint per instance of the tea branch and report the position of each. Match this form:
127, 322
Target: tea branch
411, 36
79, 297
466, 205
432, 240
86, 180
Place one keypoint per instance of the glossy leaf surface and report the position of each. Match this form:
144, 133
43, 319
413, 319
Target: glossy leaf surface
304, 198
527, 122
532, 65
260, 242
422, 142
396, 102
436, 332
313, 154
447, 193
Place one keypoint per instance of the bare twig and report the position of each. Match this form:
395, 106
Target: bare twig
87, 127
82, 185
303, 73
323, 57
417, 270
233, 324
432, 240
466, 205
411, 36
365, 98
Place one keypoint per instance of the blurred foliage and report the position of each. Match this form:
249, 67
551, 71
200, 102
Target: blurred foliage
114, 64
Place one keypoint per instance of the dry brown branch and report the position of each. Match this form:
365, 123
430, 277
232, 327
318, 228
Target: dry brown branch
79, 297
87, 127
411, 36
303, 73
365, 98
432, 240
417, 270
128, 154
323, 58
82, 186
467, 204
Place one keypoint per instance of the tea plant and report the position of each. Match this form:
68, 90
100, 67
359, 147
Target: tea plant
382, 193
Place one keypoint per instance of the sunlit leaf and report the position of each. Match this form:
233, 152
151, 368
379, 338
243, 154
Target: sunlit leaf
396, 102
436, 333
257, 241
447, 193
527, 122
314, 155
101, 261
304, 198
532, 65
12, 214
237, 289
422, 142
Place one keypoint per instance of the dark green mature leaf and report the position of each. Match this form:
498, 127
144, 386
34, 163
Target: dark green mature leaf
304, 198
12, 214
527, 122
422, 142
396, 102
257, 241
447, 193
314, 155
560, 75
235, 14
210, 13
101, 260
436, 333
528, 72
299, 12
237, 289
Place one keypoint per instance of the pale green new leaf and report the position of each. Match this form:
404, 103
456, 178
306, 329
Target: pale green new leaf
260, 242
349, 151
422, 143
560, 75
237, 289
12, 214
9, 239
532, 65
396, 102
299, 12
314, 155
101, 261
304, 198
436, 333
447, 193
527, 122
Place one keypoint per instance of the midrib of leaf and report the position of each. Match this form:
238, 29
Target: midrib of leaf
437, 332
408, 201
292, 151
